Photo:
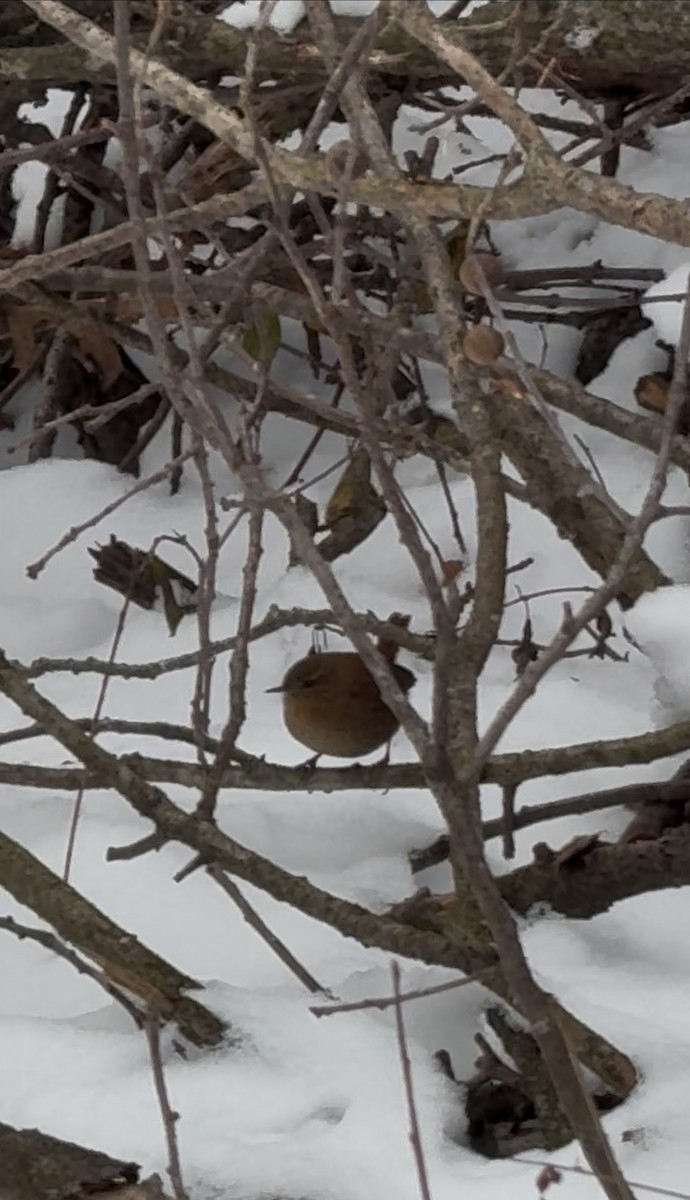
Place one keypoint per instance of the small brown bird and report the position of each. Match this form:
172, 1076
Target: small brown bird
332, 704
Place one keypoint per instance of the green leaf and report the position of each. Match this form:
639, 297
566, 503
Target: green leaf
263, 337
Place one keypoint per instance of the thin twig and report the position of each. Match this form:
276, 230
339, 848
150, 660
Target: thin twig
168, 1115
34, 569
414, 1131
634, 537
271, 939
384, 1002
239, 668
51, 942
576, 1169
100, 702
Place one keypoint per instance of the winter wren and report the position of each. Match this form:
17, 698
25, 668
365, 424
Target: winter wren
332, 704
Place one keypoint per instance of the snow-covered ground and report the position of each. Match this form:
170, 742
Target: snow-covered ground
311, 1107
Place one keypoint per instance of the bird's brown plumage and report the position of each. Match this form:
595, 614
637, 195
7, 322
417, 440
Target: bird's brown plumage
332, 704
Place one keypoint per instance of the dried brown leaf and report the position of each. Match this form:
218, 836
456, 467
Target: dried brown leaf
387, 647
490, 266
22, 324
512, 387
651, 392
12, 253
103, 353
546, 1177
483, 345
577, 849
450, 569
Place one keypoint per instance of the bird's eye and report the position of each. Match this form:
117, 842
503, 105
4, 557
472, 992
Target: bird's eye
310, 681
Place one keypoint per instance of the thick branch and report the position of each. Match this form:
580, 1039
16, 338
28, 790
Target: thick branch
503, 769
563, 490
546, 185
603, 875
568, 397
36, 1166
628, 47
126, 962
215, 847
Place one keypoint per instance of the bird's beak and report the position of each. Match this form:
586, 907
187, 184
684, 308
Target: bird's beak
280, 688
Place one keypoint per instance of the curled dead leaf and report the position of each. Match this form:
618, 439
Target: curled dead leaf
102, 351
511, 387
450, 569
456, 246
25, 323
546, 1177
22, 325
651, 392
577, 849
490, 266
483, 345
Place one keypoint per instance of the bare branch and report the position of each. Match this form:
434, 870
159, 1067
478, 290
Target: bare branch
273, 942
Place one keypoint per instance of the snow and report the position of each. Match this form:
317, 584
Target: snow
287, 14
659, 623
29, 178
668, 315
308, 1107
582, 38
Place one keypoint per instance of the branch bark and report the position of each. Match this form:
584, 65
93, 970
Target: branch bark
215, 847
548, 183
36, 1166
603, 875
503, 769
126, 962
627, 47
